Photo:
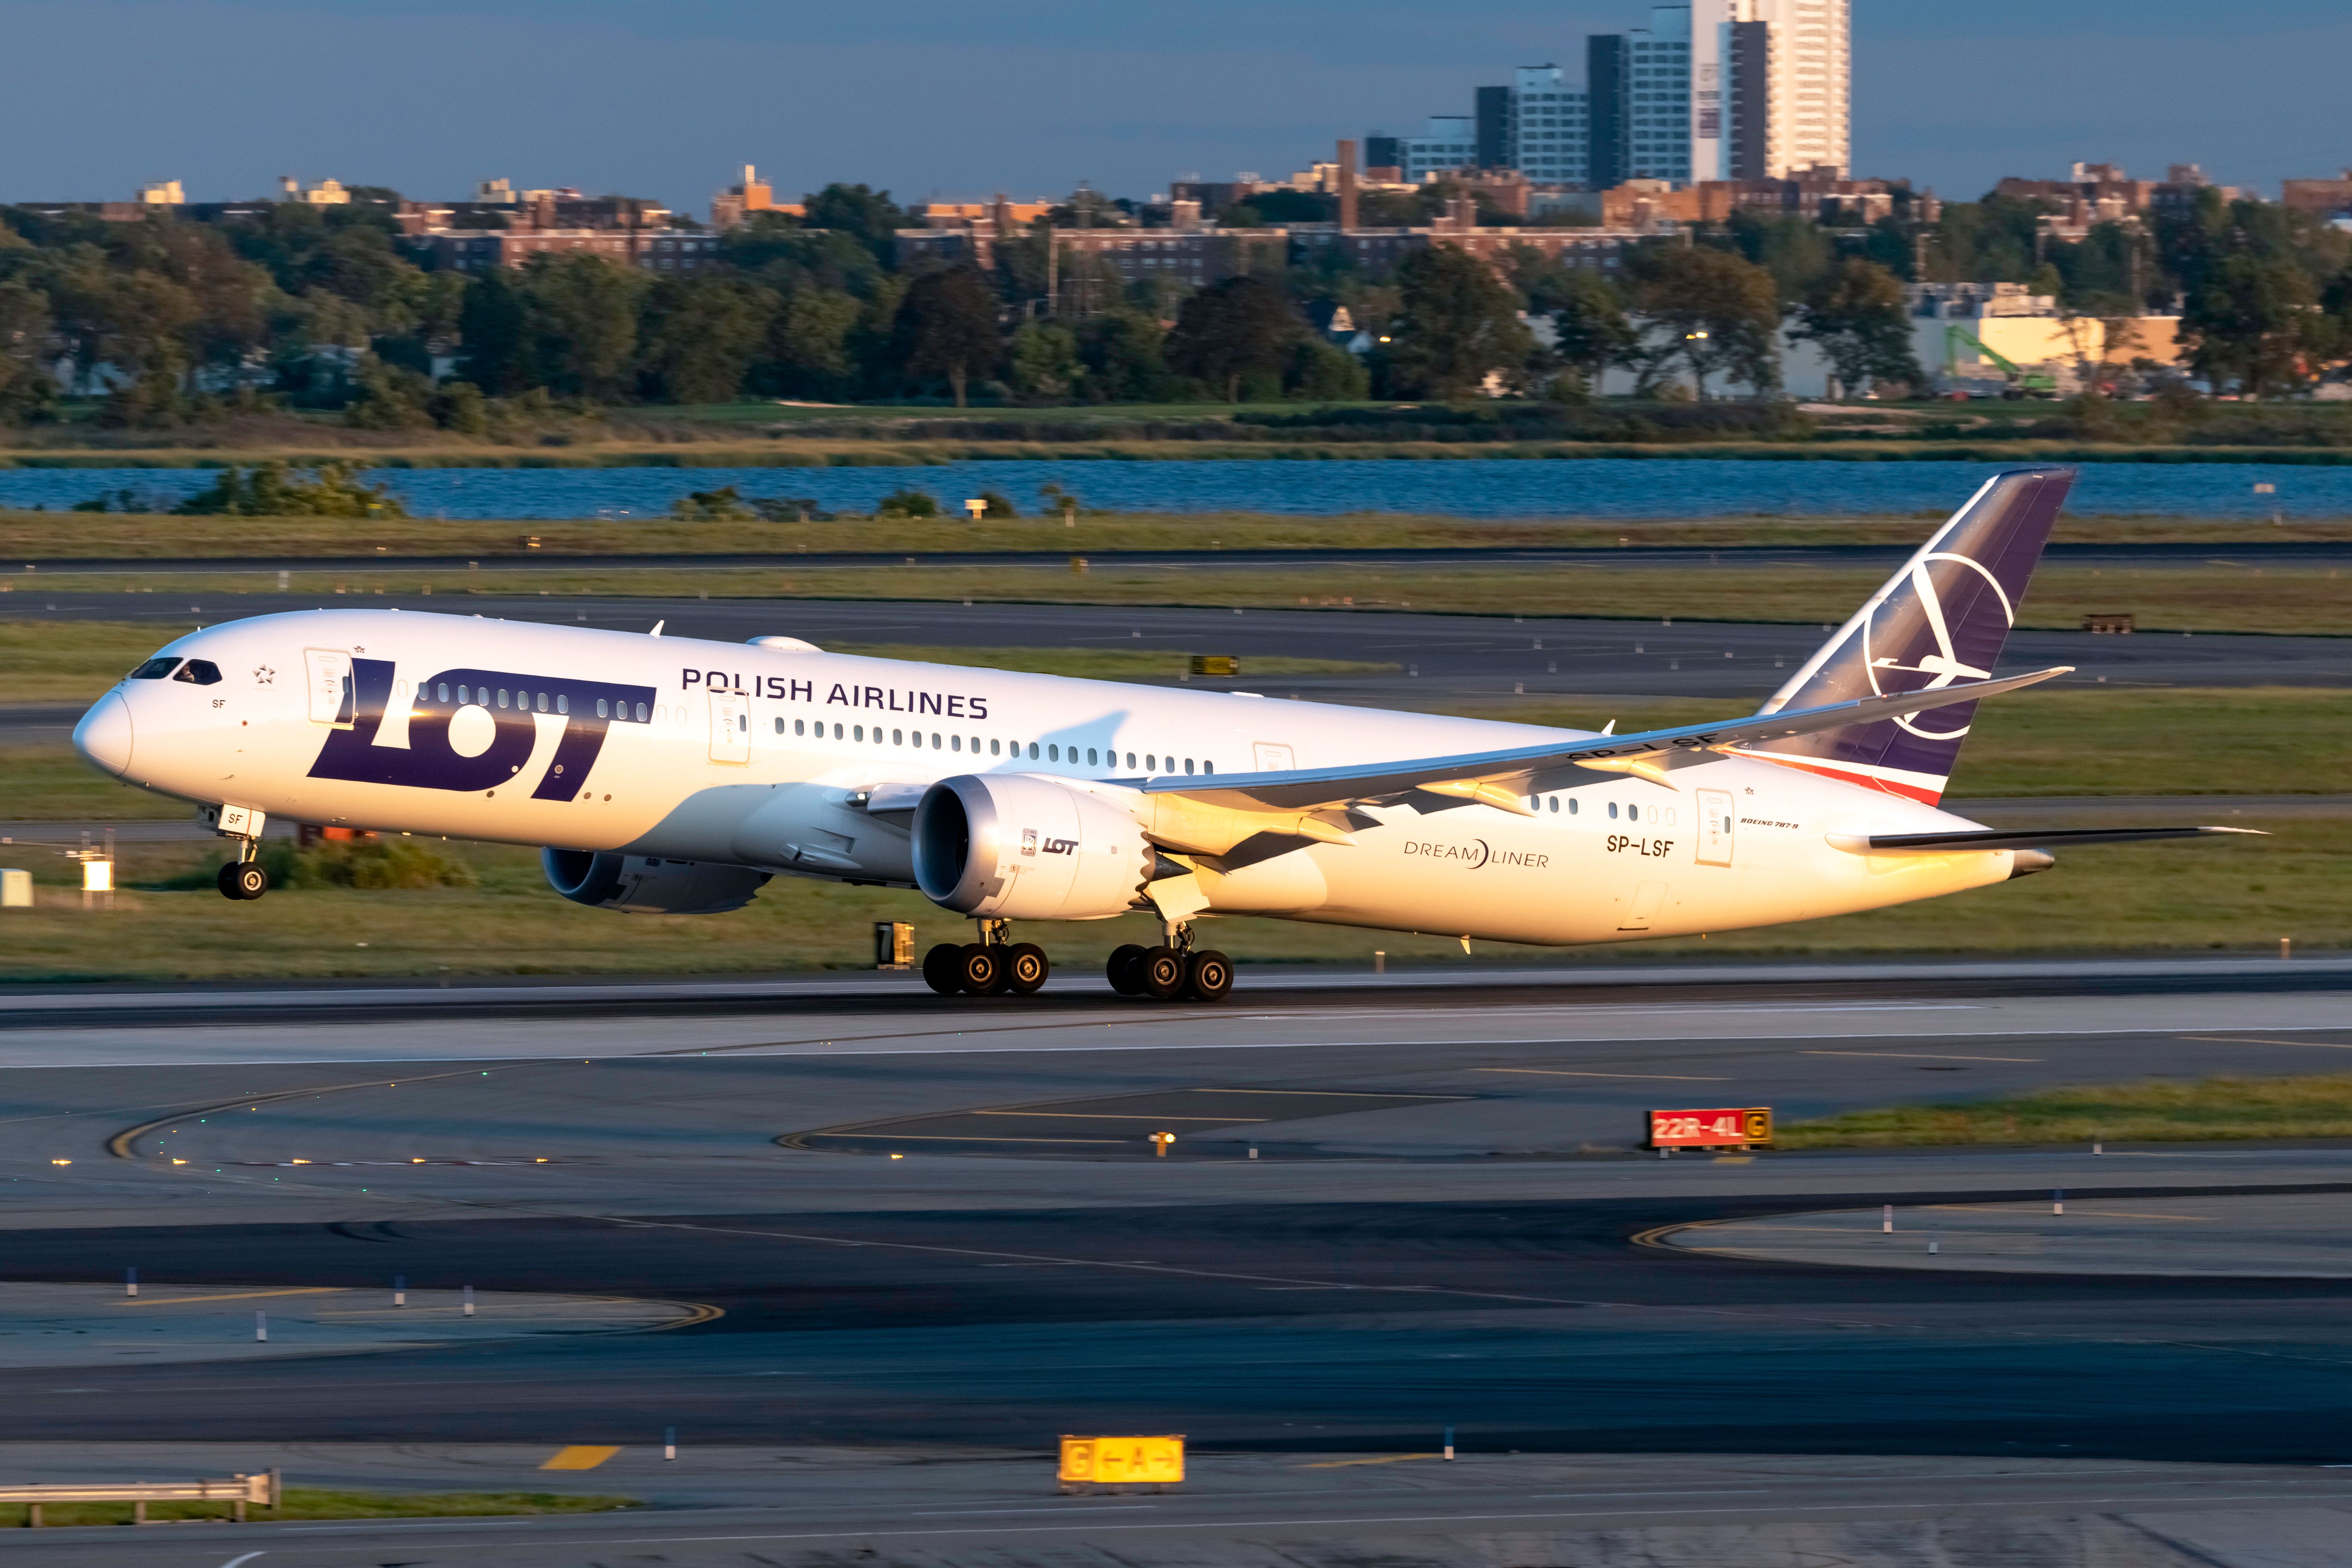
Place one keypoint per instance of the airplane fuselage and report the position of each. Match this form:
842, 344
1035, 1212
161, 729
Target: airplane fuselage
769, 758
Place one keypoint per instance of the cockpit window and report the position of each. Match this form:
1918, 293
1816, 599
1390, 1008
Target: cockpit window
155, 668
199, 672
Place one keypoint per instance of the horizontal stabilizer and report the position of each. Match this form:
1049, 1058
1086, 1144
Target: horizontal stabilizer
1306, 787
1997, 839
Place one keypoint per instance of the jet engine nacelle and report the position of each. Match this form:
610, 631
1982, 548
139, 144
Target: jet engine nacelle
647, 885
1017, 847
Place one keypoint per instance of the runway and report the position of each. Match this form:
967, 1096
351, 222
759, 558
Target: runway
1396, 1204
1417, 659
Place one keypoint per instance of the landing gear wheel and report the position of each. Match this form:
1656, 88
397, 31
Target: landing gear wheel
1025, 968
980, 968
1162, 970
1208, 976
1124, 977
943, 968
242, 880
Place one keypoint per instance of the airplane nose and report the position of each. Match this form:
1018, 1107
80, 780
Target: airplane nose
103, 736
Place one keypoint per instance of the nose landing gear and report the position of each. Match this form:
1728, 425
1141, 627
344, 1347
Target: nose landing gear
243, 878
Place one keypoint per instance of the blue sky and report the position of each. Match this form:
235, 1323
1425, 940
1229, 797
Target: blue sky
665, 98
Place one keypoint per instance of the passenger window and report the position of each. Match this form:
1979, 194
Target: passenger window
742, 723
1612, 810
154, 669
1033, 750
1633, 814
641, 712
502, 697
935, 739
1053, 753
1090, 756
443, 695
1130, 760
861, 733
1188, 764
975, 745
199, 672
1208, 767
1571, 805
991, 747
541, 704
563, 703
1151, 761
899, 738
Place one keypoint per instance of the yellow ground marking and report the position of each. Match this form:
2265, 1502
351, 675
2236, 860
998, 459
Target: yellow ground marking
1921, 1057
230, 1295
955, 1138
1114, 1116
2096, 1214
1333, 1094
1388, 1459
581, 1457
2249, 1040
1637, 1077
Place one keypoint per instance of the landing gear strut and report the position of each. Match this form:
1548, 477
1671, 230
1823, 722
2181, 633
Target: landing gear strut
989, 967
243, 878
1175, 969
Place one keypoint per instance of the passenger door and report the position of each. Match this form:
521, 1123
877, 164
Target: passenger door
731, 727
328, 672
1715, 828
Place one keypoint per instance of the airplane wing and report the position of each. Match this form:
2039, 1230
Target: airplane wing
1486, 775
1997, 839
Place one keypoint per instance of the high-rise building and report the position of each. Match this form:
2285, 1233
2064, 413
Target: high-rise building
1447, 142
1642, 113
1772, 88
1548, 134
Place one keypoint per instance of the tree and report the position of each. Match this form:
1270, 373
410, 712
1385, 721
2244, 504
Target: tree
1044, 360
1320, 371
1590, 331
1855, 313
866, 214
581, 314
1232, 330
1125, 356
1456, 323
1712, 311
947, 326
700, 335
494, 350
2102, 329
1796, 252
2252, 321
807, 351
26, 388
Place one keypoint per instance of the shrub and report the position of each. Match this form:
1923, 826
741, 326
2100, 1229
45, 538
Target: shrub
332, 490
908, 503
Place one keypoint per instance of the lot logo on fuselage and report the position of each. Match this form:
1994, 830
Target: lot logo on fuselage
431, 759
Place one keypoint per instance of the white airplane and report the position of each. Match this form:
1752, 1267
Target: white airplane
677, 776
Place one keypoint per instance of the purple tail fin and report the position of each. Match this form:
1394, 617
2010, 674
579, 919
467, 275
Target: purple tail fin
1943, 618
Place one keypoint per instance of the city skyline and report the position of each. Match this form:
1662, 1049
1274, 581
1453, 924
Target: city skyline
616, 95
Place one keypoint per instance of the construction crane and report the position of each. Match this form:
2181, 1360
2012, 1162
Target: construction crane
2022, 382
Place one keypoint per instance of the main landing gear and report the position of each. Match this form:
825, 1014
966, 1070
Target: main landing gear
243, 878
989, 967
1172, 971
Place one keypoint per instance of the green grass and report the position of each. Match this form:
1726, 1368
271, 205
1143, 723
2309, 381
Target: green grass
2217, 597
2163, 1112
33, 536
317, 1502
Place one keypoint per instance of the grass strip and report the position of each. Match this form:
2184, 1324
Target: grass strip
35, 536
319, 1502
2167, 1111
1103, 664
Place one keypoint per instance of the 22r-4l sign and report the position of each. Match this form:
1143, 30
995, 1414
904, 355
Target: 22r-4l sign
1740, 1125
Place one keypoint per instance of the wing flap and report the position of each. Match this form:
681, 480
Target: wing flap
1476, 775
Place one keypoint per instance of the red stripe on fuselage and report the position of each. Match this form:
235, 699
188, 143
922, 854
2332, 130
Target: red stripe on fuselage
1919, 792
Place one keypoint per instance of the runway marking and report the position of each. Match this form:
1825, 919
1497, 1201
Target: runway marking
579, 1457
955, 1138
2249, 1040
1921, 1057
230, 1295
1110, 1116
2102, 1214
1350, 1464
1941, 1505
1637, 1077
